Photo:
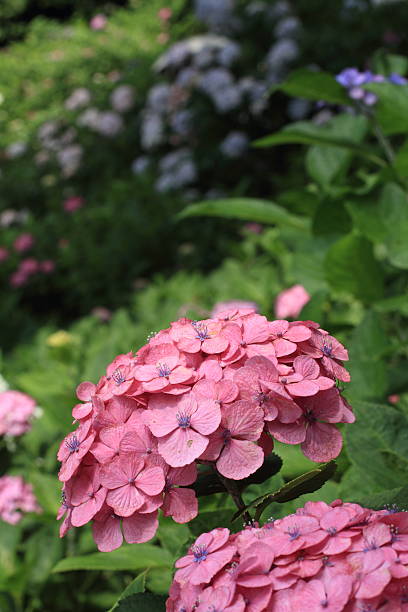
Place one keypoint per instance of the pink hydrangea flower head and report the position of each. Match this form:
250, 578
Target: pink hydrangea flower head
16, 498
337, 557
16, 412
23, 243
72, 204
98, 22
290, 302
216, 391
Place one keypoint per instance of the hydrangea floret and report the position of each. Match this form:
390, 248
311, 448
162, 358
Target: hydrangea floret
324, 557
212, 393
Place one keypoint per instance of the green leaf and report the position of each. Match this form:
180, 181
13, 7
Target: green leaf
316, 308
401, 160
331, 219
247, 209
306, 483
391, 108
351, 268
366, 218
307, 132
135, 557
379, 440
391, 497
394, 215
327, 164
47, 491
142, 602
397, 303
387, 63
314, 85
38, 567
136, 586
9, 540
369, 343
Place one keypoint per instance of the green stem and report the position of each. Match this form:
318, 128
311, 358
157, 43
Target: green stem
232, 488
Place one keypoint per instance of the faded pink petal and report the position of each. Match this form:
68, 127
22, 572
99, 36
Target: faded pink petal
323, 442
239, 459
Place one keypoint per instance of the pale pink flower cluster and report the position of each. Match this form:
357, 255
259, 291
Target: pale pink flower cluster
16, 411
16, 497
290, 302
216, 392
337, 557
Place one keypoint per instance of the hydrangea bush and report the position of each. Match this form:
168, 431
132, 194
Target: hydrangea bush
214, 392
324, 557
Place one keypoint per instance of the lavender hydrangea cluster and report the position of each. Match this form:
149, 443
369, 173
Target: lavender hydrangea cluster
354, 80
203, 81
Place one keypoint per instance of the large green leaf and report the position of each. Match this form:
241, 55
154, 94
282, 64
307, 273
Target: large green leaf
135, 557
378, 445
142, 602
351, 268
314, 85
308, 133
306, 483
366, 218
327, 164
394, 215
391, 109
369, 344
247, 209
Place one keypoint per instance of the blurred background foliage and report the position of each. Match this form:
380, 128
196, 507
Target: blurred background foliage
110, 131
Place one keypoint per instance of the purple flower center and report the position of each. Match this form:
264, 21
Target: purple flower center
118, 376
327, 349
293, 533
324, 603
163, 369
183, 420
200, 553
261, 398
370, 545
73, 443
226, 435
310, 417
331, 531
201, 331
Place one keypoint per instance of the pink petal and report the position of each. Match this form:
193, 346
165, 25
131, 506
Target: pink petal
278, 328
107, 534
85, 391
243, 419
181, 447
162, 421
305, 388
290, 433
215, 345
207, 417
181, 504
298, 333
125, 500
180, 374
140, 528
306, 366
239, 459
85, 512
145, 373
322, 443
284, 347
151, 481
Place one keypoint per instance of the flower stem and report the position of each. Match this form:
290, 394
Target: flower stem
232, 488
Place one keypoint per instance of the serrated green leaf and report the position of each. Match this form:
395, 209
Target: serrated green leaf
306, 483
136, 586
351, 268
143, 602
397, 497
135, 557
247, 209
